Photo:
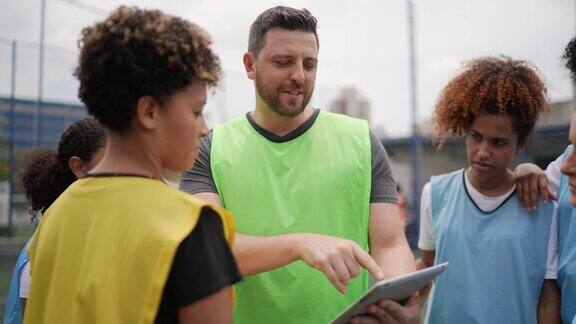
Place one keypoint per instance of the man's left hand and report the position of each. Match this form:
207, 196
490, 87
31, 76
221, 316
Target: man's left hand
390, 312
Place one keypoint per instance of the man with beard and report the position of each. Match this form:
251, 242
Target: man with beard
311, 191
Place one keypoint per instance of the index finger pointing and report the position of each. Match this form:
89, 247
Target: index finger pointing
366, 261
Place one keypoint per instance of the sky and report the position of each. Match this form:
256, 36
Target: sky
363, 44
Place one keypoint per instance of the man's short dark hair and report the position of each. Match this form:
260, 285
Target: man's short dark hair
283, 18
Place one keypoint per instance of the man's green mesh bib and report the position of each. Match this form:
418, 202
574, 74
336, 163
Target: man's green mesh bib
319, 183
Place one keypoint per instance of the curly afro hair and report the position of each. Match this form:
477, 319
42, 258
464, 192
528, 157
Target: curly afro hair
136, 53
570, 57
494, 85
46, 174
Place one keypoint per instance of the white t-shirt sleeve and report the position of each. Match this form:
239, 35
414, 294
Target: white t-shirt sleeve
552, 261
553, 173
426, 240
25, 281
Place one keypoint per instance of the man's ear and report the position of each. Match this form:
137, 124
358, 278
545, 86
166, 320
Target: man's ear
77, 166
249, 60
147, 110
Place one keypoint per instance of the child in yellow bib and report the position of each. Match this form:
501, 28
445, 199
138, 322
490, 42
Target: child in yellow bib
120, 245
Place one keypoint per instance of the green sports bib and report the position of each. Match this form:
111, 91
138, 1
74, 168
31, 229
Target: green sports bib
319, 183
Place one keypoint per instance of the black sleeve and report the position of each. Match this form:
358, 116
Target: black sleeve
383, 183
203, 265
199, 178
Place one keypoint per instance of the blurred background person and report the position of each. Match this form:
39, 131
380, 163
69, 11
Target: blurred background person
45, 174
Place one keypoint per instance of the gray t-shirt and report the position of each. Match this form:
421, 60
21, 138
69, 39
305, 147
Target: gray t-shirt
199, 178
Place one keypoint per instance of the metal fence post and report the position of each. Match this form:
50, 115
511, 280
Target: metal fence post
416, 142
11, 136
38, 113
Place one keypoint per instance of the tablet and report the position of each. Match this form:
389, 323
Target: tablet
397, 289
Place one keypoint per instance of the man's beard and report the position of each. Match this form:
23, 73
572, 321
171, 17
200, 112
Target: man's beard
275, 105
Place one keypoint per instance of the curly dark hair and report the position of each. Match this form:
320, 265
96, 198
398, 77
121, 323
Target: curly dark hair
135, 53
46, 174
279, 17
570, 57
494, 85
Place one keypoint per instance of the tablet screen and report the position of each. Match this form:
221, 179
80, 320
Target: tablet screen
397, 289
